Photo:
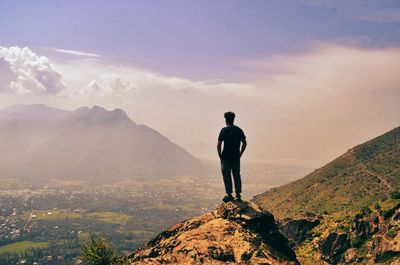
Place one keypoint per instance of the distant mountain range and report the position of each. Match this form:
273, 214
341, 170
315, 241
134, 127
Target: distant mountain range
41, 142
365, 174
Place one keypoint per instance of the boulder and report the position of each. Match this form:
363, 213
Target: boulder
351, 255
333, 246
365, 224
385, 248
296, 229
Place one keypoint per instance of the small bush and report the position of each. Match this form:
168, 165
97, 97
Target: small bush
366, 209
395, 195
357, 242
391, 233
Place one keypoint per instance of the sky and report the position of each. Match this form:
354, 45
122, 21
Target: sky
307, 79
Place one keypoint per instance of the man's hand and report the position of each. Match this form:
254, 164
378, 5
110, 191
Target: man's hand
219, 149
244, 144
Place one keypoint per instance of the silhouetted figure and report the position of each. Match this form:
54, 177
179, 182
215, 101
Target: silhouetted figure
233, 137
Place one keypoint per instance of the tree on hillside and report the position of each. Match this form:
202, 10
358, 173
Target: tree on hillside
98, 252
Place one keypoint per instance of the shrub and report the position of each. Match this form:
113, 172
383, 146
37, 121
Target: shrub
366, 209
391, 233
357, 242
98, 252
395, 195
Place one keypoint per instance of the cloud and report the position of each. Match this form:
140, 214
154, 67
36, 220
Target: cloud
369, 10
76, 53
33, 74
319, 103
110, 84
87, 78
329, 69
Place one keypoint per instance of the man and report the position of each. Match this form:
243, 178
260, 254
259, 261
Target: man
234, 146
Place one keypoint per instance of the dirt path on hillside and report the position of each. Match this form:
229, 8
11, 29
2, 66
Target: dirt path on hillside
381, 178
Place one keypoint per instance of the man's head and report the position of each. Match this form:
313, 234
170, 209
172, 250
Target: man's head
229, 117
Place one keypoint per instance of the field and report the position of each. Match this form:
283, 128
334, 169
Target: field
51, 215
22, 246
110, 217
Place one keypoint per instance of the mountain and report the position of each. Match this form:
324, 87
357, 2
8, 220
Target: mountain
41, 142
348, 211
235, 233
363, 175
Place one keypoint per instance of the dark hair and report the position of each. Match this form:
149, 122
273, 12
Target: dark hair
229, 117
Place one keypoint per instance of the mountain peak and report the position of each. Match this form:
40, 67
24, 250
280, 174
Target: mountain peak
120, 113
41, 142
236, 232
100, 114
96, 108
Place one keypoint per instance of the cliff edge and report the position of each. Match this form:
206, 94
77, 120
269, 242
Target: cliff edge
234, 233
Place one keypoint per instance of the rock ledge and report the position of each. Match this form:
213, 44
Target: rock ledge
235, 233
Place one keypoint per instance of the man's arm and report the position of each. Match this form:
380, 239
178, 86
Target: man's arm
244, 144
219, 149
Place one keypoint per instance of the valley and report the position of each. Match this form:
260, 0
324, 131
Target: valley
46, 223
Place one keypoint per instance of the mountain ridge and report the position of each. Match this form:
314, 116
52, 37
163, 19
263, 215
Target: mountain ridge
41, 142
365, 173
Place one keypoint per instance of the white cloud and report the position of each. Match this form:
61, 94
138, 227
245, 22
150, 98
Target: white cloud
76, 53
87, 78
33, 74
110, 84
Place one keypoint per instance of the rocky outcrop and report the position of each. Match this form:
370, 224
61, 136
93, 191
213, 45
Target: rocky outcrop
385, 247
332, 246
365, 224
296, 229
351, 255
235, 233
385, 243
371, 236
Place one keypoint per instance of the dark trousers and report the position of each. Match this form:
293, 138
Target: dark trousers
229, 169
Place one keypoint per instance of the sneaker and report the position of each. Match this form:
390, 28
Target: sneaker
238, 198
227, 198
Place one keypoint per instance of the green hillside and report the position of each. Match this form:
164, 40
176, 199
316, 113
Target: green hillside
364, 174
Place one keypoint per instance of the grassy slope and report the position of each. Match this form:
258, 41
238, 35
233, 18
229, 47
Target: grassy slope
366, 173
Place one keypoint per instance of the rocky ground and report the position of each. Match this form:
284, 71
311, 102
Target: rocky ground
371, 236
240, 233
235, 233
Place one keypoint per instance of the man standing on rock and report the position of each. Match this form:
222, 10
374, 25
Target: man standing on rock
234, 146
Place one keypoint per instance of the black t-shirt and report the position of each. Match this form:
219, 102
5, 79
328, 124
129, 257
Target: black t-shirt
231, 135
